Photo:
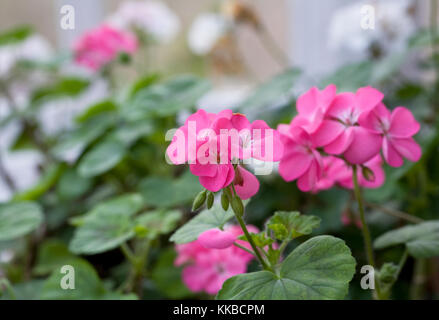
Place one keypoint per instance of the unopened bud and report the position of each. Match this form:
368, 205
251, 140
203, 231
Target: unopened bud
225, 201
199, 200
237, 206
367, 174
210, 199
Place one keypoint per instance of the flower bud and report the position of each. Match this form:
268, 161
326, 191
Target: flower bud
237, 205
199, 200
210, 199
367, 174
224, 201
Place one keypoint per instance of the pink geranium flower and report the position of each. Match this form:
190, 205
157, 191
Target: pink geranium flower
211, 143
99, 46
397, 129
206, 269
340, 132
300, 160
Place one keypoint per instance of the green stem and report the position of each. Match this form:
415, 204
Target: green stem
10, 290
250, 239
365, 229
243, 248
402, 262
418, 281
128, 253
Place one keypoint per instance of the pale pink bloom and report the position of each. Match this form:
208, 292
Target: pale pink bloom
300, 160
206, 269
397, 128
99, 46
348, 219
340, 132
334, 170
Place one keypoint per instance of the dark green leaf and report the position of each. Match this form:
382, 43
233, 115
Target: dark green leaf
320, 268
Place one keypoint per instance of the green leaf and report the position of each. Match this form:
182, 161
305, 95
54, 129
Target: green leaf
102, 158
79, 138
167, 98
15, 35
320, 268
52, 254
167, 277
207, 219
292, 224
88, 286
71, 185
66, 87
143, 83
18, 219
164, 192
275, 91
96, 109
107, 226
421, 240
158, 222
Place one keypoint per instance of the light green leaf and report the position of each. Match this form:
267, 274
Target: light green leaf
18, 219
79, 138
102, 158
158, 222
351, 77
320, 268
422, 240
106, 106
292, 224
216, 217
167, 98
107, 226
273, 92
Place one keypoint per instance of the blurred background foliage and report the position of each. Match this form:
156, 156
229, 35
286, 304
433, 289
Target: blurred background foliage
105, 201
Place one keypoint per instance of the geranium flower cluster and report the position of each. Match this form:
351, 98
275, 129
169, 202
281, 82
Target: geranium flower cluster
99, 46
215, 145
333, 132
212, 259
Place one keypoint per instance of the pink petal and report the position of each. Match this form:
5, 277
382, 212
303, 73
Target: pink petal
375, 120
403, 124
339, 145
221, 180
240, 122
392, 157
309, 179
295, 165
216, 239
250, 185
208, 170
364, 146
327, 132
368, 98
344, 102
408, 148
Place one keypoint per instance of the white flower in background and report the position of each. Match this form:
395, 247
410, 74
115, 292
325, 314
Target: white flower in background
152, 17
205, 32
393, 26
34, 48
6, 256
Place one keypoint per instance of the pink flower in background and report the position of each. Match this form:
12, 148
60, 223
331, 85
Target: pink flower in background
375, 181
211, 142
99, 46
216, 239
300, 160
334, 170
206, 269
397, 128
